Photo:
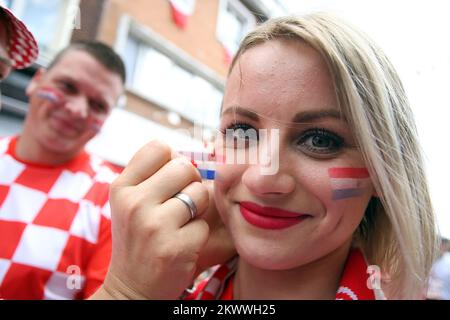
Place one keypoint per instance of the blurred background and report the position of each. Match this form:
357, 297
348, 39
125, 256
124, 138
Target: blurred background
177, 53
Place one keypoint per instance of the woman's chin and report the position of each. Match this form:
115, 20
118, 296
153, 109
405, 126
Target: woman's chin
265, 258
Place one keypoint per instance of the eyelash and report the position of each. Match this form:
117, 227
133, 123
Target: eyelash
236, 126
336, 141
239, 126
68, 87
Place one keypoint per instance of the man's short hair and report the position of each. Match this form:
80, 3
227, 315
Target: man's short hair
102, 52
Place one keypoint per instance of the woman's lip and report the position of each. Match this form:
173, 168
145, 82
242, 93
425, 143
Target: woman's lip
274, 220
269, 211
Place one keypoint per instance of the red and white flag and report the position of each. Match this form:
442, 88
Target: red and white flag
348, 182
228, 55
181, 11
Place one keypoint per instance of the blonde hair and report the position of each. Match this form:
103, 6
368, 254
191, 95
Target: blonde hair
398, 232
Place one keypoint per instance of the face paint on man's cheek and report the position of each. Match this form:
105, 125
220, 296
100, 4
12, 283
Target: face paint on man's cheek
348, 182
96, 123
53, 96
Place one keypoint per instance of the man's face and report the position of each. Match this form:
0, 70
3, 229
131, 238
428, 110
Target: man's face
5, 61
83, 92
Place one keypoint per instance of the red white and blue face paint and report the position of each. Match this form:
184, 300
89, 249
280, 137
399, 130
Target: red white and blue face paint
57, 99
96, 122
348, 182
204, 162
51, 95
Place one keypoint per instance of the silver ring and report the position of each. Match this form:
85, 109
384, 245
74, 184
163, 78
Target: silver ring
188, 202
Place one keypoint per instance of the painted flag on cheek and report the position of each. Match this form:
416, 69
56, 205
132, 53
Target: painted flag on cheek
56, 99
51, 95
96, 123
348, 182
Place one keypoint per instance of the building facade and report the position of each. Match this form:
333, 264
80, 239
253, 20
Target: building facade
177, 54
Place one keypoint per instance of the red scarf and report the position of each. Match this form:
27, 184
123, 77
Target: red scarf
353, 284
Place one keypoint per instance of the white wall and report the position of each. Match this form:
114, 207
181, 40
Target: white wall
124, 133
9, 125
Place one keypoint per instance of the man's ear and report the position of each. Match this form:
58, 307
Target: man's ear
34, 81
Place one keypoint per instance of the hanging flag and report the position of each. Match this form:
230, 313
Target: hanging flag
228, 55
181, 11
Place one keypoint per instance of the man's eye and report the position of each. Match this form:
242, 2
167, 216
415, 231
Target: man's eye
98, 107
68, 87
320, 142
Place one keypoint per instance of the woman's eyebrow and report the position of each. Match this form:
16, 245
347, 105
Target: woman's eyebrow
300, 117
243, 112
310, 116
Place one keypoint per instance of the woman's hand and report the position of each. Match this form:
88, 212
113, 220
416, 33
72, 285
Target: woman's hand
219, 248
155, 245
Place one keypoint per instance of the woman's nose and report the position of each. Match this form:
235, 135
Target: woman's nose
272, 175
258, 183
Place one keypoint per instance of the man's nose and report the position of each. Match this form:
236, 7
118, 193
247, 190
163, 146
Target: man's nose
77, 106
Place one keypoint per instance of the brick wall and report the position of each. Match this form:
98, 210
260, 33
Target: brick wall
198, 39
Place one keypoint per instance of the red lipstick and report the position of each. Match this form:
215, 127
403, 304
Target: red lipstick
269, 218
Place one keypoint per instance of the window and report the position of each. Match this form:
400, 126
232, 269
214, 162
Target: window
50, 21
234, 22
168, 77
6, 3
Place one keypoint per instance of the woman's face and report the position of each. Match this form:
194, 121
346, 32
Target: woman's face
311, 200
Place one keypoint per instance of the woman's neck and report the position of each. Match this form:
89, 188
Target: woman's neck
318, 280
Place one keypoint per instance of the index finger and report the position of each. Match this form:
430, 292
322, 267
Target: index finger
148, 160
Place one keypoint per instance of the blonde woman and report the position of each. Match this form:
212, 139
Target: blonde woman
345, 215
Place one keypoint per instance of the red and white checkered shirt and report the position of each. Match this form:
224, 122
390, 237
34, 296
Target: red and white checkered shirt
55, 227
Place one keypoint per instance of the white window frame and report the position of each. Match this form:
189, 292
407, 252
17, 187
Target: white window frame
238, 7
127, 25
64, 29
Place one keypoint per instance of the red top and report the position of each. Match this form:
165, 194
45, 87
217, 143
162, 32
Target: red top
353, 284
55, 228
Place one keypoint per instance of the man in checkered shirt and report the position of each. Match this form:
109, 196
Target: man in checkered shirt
55, 237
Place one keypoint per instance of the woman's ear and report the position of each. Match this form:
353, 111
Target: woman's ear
35, 81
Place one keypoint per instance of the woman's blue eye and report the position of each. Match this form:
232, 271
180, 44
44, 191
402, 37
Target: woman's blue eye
314, 142
320, 141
